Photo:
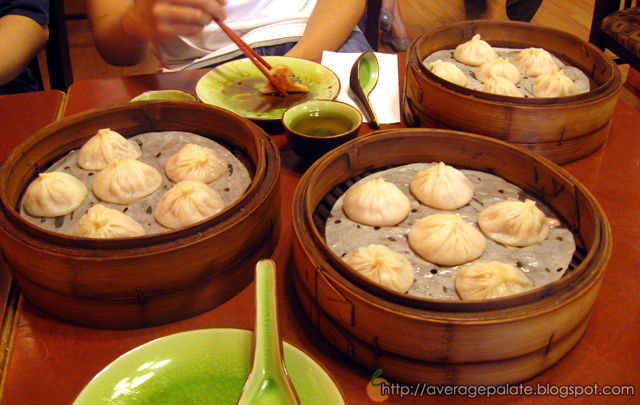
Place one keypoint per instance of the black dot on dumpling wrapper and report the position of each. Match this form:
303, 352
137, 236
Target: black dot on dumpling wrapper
59, 221
376, 228
434, 271
149, 210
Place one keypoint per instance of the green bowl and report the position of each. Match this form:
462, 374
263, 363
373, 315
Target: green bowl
171, 94
316, 127
206, 366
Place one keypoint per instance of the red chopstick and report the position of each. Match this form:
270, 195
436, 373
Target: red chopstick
255, 58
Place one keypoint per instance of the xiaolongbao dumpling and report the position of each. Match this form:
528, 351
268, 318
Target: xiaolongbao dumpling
446, 239
449, 72
494, 279
474, 52
381, 265
124, 181
53, 194
554, 84
376, 203
500, 67
501, 86
186, 203
105, 147
195, 162
442, 187
102, 222
534, 62
514, 223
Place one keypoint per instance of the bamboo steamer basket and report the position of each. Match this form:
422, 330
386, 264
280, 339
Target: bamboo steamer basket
412, 339
561, 129
154, 279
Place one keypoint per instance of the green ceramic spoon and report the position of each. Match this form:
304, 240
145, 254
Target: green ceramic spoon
362, 81
268, 382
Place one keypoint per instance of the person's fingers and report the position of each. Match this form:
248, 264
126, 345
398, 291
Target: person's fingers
214, 8
159, 20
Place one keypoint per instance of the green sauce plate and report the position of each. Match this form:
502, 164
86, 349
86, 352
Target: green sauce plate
206, 366
234, 87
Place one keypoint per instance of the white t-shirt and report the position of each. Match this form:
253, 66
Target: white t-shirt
258, 22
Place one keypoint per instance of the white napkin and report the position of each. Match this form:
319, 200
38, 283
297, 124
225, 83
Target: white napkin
385, 97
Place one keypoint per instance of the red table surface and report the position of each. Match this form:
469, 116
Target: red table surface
51, 360
17, 123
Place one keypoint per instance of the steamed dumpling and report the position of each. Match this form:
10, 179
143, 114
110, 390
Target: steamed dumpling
442, 187
383, 266
186, 203
124, 181
105, 147
53, 194
554, 84
449, 72
474, 52
102, 222
494, 279
534, 62
514, 223
195, 162
376, 203
501, 86
500, 67
446, 239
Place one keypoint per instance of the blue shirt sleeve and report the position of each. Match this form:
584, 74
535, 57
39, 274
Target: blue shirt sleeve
37, 10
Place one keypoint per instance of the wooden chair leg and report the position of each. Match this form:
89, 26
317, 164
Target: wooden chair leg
57, 49
633, 78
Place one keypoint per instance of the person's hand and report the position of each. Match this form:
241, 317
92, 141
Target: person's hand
158, 20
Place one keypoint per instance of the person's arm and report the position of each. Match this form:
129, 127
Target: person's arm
21, 39
329, 26
124, 29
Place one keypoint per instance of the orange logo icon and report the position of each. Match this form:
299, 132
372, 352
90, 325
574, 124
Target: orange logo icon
374, 388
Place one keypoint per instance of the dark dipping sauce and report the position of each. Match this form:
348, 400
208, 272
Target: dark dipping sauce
243, 95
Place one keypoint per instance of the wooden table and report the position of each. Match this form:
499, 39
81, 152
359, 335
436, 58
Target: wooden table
51, 360
18, 122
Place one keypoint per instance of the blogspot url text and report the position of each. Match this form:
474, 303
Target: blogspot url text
472, 391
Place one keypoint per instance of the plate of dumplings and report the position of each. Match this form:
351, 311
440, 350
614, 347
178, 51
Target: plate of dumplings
524, 73
117, 187
436, 232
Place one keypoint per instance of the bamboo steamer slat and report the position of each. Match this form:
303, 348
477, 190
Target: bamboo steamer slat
447, 342
412, 371
561, 129
133, 282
